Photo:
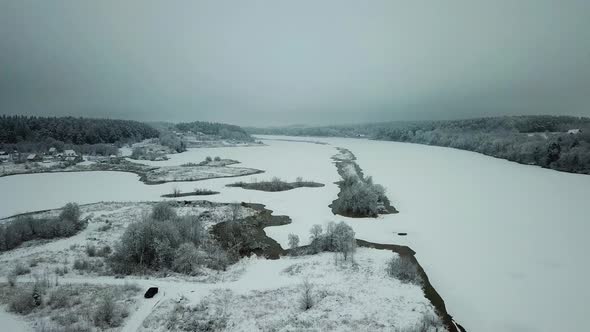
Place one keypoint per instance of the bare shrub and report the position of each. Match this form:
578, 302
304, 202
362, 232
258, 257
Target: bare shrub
59, 298
306, 300
104, 251
90, 250
403, 269
11, 278
88, 265
20, 269
22, 301
131, 287
163, 211
60, 271
81, 264
186, 259
108, 314
175, 192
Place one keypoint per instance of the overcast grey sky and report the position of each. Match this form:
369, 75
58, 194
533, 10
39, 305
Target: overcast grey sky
283, 62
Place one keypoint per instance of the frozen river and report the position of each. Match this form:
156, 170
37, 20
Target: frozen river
504, 244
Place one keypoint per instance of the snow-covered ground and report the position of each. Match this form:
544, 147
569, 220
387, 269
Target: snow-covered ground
503, 243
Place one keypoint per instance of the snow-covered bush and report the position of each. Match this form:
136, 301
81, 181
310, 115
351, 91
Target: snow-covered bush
23, 301
306, 300
359, 196
338, 238
11, 279
186, 259
108, 314
20, 269
403, 269
27, 228
166, 241
163, 211
70, 212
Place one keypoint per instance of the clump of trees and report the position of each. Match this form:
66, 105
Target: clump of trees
165, 241
79, 131
359, 196
338, 238
222, 130
172, 141
275, 184
71, 308
27, 228
403, 269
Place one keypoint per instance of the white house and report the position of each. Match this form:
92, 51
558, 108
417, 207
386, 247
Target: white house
52, 150
70, 153
574, 131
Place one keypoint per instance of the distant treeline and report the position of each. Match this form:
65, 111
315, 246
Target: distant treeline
556, 142
78, 131
222, 130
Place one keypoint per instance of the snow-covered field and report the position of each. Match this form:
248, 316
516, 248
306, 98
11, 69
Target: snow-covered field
503, 243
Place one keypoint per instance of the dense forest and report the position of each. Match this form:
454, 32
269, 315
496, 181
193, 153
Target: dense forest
222, 130
14, 129
556, 142
31, 133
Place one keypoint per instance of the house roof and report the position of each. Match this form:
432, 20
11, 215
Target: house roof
69, 152
32, 156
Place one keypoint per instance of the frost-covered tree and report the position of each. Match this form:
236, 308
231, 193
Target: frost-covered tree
186, 259
163, 211
316, 232
70, 212
344, 240
403, 269
293, 241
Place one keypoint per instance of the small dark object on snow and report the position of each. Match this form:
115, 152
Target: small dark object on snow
151, 292
402, 234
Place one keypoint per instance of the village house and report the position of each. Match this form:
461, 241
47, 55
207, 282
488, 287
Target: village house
33, 157
70, 153
52, 150
574, 131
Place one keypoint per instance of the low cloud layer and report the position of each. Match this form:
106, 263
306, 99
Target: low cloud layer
286, 62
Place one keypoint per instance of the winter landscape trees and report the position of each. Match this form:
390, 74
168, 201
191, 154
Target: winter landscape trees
222, 130
556, 142
164, 240
26, 228
17, 128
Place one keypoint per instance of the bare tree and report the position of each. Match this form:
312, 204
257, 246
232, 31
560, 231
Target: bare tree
293, 241
306, 300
